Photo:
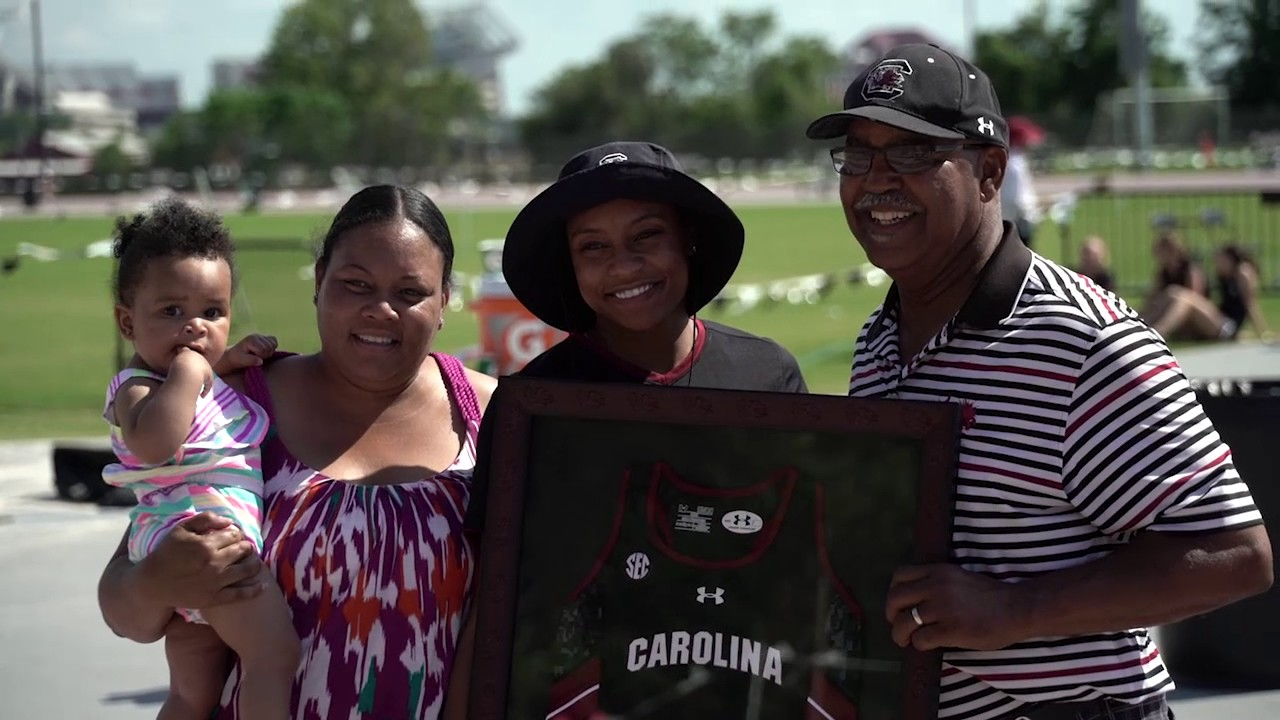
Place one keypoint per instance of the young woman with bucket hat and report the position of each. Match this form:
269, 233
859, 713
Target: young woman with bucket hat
621, 252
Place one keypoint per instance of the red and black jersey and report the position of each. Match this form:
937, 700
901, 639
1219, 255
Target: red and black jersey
710, 602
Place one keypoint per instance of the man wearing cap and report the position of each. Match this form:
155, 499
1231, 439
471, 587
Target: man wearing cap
1093, 497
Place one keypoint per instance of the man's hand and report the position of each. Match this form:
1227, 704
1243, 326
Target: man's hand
958, 608
251, 351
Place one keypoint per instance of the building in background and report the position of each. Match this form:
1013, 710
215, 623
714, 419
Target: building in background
472, 39
88, 122
152, 99
94, 122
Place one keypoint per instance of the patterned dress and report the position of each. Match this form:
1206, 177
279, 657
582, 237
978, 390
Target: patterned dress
377, 577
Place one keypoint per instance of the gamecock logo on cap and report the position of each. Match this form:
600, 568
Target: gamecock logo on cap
887, 80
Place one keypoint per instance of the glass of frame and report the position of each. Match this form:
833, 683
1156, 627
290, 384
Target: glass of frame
656, 552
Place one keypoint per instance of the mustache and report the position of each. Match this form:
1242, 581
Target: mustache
890, 200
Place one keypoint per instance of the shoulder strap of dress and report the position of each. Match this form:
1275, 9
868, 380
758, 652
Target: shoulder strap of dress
129, 374
255, 384
119, 379
455, 377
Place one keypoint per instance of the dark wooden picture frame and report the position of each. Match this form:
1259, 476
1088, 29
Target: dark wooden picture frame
524, 407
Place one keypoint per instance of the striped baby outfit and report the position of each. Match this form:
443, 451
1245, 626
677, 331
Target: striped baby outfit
218, 468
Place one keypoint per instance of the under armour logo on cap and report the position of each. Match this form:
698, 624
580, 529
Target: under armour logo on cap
613, 158
986, 126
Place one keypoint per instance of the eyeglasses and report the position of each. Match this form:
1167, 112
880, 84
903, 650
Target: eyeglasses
905, 159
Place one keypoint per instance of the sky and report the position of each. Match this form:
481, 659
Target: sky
186, 36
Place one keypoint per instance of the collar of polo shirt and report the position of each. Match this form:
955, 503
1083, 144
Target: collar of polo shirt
994, 297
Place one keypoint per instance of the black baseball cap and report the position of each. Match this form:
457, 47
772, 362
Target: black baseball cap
921, 88
535, 256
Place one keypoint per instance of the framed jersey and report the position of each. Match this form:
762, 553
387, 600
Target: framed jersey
677, 553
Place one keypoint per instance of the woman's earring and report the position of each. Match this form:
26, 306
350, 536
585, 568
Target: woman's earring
440, 325
693, 249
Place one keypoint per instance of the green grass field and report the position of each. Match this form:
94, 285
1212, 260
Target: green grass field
58, 345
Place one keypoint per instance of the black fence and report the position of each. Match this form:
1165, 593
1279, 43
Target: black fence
1129, 220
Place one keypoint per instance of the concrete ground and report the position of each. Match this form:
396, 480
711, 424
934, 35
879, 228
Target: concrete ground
58, 660
1233, 362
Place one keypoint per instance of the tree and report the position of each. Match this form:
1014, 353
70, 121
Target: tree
1057, 70
789, 91
181, 144
110, 159
734, 91
367, 66
307, 125
1093, 52
1026, 61
1240, 49
586, 105
357, 48
232, 125
16, 130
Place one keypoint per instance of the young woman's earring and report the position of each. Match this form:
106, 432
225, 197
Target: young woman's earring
440, 325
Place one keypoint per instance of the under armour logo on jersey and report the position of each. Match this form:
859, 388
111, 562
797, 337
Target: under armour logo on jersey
716, 597
637, 565
987, 126
742, 522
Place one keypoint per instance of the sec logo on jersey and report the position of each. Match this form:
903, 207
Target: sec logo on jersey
637, 565
742, 522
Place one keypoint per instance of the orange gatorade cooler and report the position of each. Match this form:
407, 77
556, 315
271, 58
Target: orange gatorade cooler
510, 335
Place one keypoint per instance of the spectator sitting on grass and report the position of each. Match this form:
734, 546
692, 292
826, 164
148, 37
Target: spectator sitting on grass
1180, 314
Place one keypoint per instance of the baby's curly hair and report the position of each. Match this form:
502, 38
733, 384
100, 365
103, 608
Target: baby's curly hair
172, 228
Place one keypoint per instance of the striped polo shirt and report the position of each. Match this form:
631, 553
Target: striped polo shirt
1079, 429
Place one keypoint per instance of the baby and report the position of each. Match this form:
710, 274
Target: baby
189, 443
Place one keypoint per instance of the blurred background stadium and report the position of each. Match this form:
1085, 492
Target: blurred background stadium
1163, 115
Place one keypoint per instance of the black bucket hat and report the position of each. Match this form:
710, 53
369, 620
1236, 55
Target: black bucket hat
535, 256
